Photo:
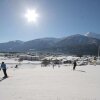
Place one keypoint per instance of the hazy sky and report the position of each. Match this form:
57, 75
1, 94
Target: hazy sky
57, 18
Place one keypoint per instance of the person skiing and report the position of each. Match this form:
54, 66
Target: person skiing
95, 61
74, 65
3, 67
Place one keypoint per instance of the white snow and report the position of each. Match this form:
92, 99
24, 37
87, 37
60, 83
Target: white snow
86, 34
33, 82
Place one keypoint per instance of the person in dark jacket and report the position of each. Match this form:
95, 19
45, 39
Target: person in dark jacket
95, 59
74, 65
3, 67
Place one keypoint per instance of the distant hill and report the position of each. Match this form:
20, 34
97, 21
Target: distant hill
10, 46
75, 44
39, 44
36, 44
78, 44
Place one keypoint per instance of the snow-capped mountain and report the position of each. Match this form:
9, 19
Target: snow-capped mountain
74, 44
93, 35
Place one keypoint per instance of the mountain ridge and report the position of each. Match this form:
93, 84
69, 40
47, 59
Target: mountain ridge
74, 44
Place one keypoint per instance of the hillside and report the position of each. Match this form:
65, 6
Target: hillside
74, 44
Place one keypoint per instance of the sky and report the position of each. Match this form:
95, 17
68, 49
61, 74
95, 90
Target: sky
57, 18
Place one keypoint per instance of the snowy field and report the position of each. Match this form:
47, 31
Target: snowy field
33, 82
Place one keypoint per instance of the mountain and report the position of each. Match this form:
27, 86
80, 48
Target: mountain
77, 40
93, 35
36, 44
39, 44
78, 44
9, 46
75, 44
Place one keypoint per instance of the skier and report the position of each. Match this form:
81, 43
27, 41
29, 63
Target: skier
3, 67
95, 61
74, 65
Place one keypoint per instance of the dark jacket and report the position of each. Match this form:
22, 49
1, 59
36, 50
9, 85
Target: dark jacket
3, 66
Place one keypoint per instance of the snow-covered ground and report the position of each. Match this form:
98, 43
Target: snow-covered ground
33, 82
